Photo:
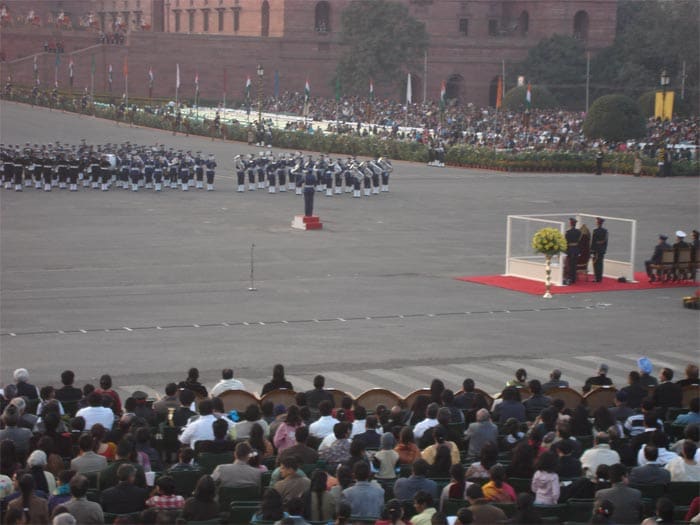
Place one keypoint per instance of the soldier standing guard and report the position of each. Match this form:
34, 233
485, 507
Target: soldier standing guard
573, 237
599, 245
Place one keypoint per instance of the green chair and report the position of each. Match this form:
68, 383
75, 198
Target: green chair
185, 481
579, 509
208, 461
230, 495
241, 512
93, 495
93, 479
652, 492
556, 512
266, 478
111, 517
508, 508
520, 484
682, 492
451, 506
366, 520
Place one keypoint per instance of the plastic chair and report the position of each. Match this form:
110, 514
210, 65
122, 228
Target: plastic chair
229, 496
241, 512
208, 462
579, 509
185, 481
451, 506
682, 492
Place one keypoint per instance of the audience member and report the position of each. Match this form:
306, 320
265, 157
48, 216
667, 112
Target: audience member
227, 383
627, 502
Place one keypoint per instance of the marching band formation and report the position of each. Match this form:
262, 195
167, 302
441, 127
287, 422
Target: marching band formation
134, 167
288, 171
102, 167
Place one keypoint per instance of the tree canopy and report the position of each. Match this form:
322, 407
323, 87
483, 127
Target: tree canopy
559, 64
381, 42
614, 117
651, 36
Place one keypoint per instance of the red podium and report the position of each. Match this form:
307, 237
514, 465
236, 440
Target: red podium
302, 222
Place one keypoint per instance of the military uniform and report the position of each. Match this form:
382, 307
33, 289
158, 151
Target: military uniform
599, 245
309, 191
210, 165
656, 257
573, 238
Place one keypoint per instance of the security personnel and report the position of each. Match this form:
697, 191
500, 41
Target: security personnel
309, 191
211, 166
271, 172
599, 162
573, 238
599, 245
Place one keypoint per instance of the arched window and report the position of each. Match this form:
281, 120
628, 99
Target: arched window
265, 19
581, 26
322, 22
453, 88
524, 23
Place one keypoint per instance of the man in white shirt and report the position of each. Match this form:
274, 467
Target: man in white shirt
429, 422
96, 413
227, 383
324, 424
201, 428
600, 454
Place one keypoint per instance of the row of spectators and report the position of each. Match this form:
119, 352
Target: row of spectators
468, 124
485, 451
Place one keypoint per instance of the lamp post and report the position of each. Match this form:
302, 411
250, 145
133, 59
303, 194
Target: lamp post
665, 81
261, 74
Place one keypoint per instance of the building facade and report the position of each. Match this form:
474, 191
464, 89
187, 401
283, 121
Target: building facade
470, 40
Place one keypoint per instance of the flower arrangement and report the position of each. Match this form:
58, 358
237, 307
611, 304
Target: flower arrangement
549, 241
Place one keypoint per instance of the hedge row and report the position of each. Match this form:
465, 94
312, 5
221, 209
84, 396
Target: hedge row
370, 146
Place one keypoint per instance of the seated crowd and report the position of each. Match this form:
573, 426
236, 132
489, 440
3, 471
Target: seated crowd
71, 455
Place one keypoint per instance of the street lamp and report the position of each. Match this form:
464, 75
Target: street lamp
261, 74
665, 81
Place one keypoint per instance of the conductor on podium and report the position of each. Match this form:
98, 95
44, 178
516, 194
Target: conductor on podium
573, 238
309, 190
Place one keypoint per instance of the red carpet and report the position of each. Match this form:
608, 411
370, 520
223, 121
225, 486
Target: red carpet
537, 288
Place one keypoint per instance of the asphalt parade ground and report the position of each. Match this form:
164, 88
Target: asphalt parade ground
145, 285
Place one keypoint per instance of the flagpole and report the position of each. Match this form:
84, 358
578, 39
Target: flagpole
588, 77
126, 78
425, 76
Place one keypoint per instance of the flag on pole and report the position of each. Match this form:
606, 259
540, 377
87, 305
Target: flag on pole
307, 91
499, 93
125, 69
36, 66
151, 78
371, 89
70, 71
409, 92
177, 76
248, 83
109, 76
196, 83
277, 84
58, 63
443, 95
528, 97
